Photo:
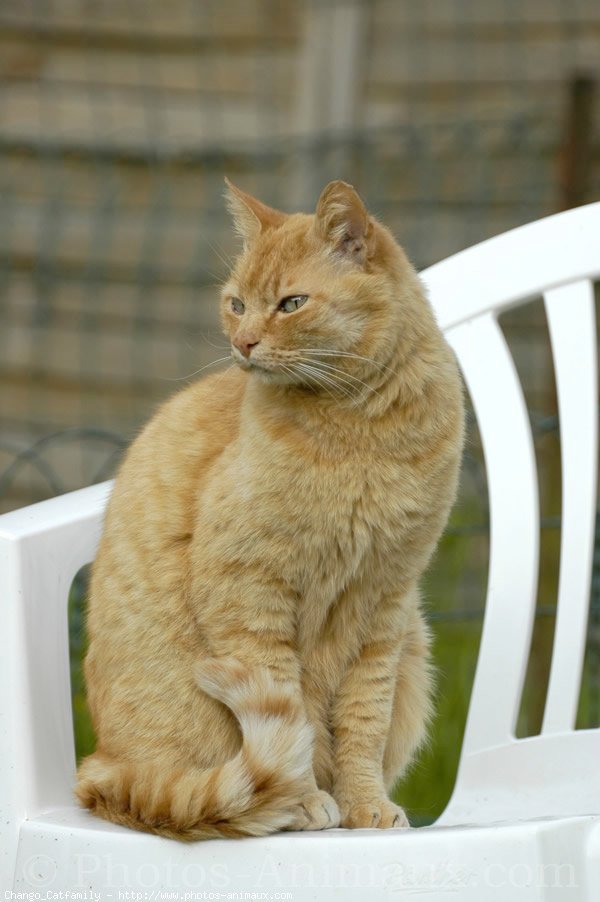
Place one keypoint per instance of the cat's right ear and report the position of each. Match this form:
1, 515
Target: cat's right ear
250, 216
342, 222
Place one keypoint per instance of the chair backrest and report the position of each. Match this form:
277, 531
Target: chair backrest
557, 258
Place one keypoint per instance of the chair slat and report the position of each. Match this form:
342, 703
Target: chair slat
500, 407
571, 320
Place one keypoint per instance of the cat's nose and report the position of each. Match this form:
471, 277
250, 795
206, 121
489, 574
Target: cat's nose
245, 344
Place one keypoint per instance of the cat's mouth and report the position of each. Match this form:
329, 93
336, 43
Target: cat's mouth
270, 370
248, 363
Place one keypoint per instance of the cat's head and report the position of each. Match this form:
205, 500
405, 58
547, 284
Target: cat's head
316, 300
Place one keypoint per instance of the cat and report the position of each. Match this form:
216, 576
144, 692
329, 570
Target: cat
258, 660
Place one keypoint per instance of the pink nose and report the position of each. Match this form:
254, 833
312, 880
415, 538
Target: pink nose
245, 344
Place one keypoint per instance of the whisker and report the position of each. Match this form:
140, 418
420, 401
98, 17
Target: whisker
225, 259
287, 369
334, 376
219, 376
202, 368
312, 377
291, 371
219, 280
333, 352
324, 378
205, 337
346, 377
330, 352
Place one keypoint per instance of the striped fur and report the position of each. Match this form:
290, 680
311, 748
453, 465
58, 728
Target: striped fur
253, 794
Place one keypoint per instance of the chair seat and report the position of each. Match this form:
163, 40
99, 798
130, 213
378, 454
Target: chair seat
69, 849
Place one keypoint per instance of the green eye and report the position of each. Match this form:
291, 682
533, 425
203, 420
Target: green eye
237, 306
288, 305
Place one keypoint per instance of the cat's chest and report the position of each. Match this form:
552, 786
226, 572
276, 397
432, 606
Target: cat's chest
318, 525
339, 518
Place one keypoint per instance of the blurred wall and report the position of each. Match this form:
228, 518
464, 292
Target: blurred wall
118, 120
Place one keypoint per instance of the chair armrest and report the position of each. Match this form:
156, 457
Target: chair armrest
41, 549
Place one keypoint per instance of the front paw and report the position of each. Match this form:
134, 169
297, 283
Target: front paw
380, 813
317, 810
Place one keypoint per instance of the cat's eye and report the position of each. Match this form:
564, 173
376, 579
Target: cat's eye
237, 306
288, 305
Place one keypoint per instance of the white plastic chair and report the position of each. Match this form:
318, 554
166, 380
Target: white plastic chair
524, 820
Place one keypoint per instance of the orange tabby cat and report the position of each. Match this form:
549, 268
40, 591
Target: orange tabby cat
258, 660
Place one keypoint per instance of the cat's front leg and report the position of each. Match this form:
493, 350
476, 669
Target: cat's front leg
254, 623
362, 714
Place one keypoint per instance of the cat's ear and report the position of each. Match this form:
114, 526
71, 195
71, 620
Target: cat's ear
342, 221
250, 216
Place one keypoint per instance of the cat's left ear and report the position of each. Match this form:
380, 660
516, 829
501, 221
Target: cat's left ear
250, 216
342, 221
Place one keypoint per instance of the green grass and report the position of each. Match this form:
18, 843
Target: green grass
85, 739
426, 789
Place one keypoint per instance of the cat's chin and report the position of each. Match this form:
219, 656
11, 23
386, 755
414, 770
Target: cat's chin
269, 376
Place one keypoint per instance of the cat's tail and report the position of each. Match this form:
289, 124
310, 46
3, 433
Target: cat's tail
253, 794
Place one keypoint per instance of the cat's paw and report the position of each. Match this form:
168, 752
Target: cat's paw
380, 813
317, 810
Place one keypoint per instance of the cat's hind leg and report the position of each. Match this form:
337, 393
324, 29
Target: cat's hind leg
314, 808
252, 794
412, 708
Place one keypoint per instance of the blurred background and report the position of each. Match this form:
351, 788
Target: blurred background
455, 119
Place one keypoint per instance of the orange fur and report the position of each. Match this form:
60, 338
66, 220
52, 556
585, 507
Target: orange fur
258, 659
